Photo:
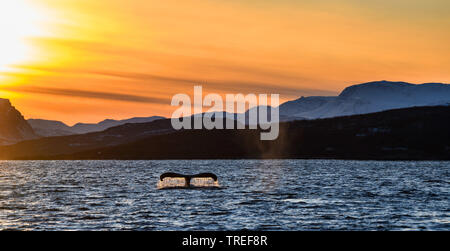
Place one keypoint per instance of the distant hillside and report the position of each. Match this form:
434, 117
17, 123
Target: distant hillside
49, 128
75, 143
406, 134
13, 127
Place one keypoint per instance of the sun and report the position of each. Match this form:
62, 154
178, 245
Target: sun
18, 22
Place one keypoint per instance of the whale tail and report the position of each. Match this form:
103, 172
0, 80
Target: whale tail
187, 180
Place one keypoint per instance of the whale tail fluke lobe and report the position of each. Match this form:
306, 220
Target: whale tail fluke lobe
171, 175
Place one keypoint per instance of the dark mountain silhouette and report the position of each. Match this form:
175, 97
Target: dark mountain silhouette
75, 143
407, 134
80, 142
13, 127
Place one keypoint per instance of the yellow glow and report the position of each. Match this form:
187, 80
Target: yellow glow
57, 57
18, 21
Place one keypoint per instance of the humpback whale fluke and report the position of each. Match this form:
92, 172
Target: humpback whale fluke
188, 178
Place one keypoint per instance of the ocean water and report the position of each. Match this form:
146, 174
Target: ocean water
254, 195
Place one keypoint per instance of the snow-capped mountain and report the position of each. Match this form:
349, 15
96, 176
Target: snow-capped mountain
48, 128
13, 126
368, 98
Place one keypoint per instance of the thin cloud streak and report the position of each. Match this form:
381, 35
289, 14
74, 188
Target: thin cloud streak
232, 86
87, 94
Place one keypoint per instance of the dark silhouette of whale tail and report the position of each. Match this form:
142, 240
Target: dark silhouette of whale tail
188, 178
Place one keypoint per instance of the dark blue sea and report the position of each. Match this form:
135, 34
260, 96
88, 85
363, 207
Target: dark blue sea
254, 195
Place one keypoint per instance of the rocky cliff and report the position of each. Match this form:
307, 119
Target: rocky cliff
13, 127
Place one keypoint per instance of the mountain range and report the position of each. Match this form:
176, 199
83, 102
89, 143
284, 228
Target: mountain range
48, 128
418, 133
47, 139
357, 99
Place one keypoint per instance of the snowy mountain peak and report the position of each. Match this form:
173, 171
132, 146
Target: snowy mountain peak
367, 98
372, 88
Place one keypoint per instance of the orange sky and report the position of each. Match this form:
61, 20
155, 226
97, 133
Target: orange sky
85, 60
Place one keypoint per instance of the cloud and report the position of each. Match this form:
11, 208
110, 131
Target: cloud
231, 86
87, 94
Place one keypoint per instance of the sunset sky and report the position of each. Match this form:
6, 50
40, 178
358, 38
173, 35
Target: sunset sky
87, 60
